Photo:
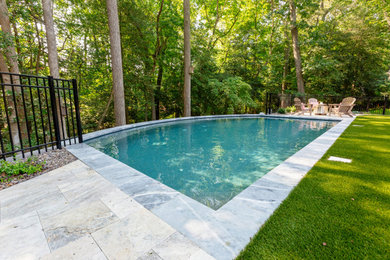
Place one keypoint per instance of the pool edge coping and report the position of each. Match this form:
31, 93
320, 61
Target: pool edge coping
231, 226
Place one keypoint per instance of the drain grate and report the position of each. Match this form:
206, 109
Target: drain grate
339, 159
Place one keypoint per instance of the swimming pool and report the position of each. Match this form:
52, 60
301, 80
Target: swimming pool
211, 161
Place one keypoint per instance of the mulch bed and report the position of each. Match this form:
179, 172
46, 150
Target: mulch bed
53, 159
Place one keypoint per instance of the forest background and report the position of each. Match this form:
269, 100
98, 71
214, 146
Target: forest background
239, 51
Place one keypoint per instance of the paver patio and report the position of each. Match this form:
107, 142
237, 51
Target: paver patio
74, 213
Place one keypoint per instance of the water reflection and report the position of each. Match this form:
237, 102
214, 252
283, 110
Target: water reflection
211, 160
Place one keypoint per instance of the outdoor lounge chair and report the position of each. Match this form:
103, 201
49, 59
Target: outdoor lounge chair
300, 107
314, 104
345, 107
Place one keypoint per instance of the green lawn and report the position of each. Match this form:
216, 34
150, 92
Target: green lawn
339, 210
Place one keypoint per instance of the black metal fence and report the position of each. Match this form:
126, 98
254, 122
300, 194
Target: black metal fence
367, 105
37, 113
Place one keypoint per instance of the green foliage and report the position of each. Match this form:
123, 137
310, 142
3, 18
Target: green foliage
9, 170
228, 96
282, 110
290, 109
345, 49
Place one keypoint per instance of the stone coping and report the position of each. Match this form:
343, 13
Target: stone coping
223, 233
93, 135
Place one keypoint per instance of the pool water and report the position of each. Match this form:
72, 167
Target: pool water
211, 161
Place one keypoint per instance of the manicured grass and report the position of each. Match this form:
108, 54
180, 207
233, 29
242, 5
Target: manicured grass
339, 210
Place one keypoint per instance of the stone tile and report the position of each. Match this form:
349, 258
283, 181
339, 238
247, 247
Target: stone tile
149, 192
151, 255
118, 173
194, 220
132, 236
45, 199
76, 222
22, 238
88, 189
121, 204
180, 248
82, 248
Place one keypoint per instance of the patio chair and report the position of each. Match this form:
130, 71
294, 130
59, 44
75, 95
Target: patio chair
344, 108
313, 102
300, 107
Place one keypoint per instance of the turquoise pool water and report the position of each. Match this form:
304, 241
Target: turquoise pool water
211, 161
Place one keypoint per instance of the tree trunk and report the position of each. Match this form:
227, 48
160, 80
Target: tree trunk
158, 91
116, 60
18, 48
187, 59
10, 103
296, 49
38, 63
286, 66
106, 110
12, 58
53, 59
51, 38
6, 28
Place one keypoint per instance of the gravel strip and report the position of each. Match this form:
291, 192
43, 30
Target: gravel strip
53, 159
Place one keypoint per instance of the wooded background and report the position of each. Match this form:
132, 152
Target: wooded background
239, 50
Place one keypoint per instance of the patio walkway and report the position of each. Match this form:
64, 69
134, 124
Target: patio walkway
74, 213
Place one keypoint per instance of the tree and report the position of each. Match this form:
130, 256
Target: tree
51, 38
10, 53
296, 48
116, 60
187, 59
53, 57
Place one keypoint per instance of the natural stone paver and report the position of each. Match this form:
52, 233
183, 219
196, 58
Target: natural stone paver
75, 213
82, 248
132, 236
76, 222
178, 247
22, 238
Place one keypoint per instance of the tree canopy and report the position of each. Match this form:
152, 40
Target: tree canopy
239, 49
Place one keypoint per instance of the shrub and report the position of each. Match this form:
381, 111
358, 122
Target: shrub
9, 170
281, 111
290, 109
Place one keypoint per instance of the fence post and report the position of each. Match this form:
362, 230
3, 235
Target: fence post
77, 107
54, 112
385, 105
266, 103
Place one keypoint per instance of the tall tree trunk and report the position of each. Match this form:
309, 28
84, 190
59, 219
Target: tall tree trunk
51, 38
156, 54
10, 103
38, 60
12, 58
17, 41
158, 91
53, 58
286, 66
296, 49
116, 60
6, 28
187, 59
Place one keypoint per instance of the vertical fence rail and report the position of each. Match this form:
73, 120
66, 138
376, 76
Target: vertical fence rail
385, 105
76, 104
37, 113
53, 103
